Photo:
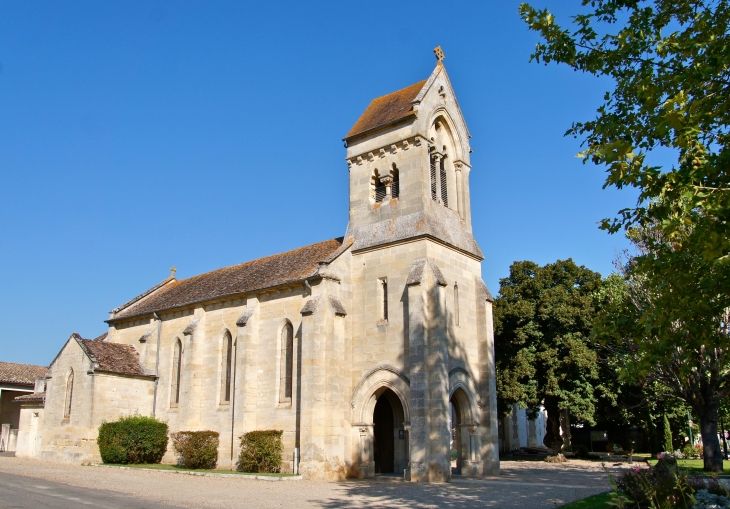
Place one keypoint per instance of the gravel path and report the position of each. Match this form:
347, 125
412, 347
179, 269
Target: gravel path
523, 484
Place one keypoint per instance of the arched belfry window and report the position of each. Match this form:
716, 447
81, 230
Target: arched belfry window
286, 363
69, 394
385, 187
443, 178
175, 379
444, 182
377, 188
226, 367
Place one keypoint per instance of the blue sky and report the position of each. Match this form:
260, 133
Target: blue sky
139, 135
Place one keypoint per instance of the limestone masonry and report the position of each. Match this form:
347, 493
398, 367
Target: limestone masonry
373, 352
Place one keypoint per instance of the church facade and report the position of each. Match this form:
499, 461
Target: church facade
373, 352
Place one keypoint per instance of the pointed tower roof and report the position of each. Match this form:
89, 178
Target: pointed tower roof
387, 109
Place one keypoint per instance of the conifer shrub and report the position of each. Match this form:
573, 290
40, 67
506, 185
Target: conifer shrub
261, 451
196, 449
132, 439
667, 437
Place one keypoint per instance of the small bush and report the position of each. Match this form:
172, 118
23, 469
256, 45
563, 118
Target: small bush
659, 487
132, 439
708, 500
261, 451
196, 449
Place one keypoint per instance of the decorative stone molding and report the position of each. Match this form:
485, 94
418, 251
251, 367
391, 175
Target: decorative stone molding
243, 319
406, 145
311, 306
415, 276
147, 335
381, 153
393, 149
191, 327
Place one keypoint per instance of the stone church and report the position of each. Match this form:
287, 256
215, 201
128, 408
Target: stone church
373, 352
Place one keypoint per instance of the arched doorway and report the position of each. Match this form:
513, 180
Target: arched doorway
389, 440
384, 442
463, 445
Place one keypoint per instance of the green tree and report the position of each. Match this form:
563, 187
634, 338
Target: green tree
672, 325
667, 443
543, 318
669, 63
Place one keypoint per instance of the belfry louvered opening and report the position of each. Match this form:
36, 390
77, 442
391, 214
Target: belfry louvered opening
434, 188
444, 185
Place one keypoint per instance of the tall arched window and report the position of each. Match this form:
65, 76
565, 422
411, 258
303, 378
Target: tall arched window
227, 367
176, 365
287, 363
69, 394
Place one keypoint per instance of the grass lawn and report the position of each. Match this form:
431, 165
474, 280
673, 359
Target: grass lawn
160, 466
594, 502
695, 466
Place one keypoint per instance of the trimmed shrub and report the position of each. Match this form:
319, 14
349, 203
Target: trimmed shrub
132, 439
261, 451
196, 449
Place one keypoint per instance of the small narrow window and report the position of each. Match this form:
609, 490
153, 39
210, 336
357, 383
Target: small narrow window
227, 367
287, 363
395, 186
69, 394
176, 365
456, 303
434, 188
444, 184
384, 295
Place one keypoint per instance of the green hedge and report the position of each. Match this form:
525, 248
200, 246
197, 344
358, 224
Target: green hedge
132, 439
196, 449
261, 452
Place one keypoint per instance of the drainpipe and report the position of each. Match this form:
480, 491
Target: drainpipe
157, 363
233, 396
306, 283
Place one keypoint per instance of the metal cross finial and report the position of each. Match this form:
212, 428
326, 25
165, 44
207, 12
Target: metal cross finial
439, 53
173, 270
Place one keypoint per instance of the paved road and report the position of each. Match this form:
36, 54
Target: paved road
19, 492
31, 484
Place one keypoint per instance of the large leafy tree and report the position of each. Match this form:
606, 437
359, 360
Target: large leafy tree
669, 62
671, 324
669, 65
543, 318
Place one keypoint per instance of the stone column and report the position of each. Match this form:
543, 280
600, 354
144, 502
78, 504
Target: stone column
387, 181
489, 453
243, 398
322, 450
459, 189
429, 434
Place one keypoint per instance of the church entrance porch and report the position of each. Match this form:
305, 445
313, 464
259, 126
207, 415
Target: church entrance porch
463, 435
384, 443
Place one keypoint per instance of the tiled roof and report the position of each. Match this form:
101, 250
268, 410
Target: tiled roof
36, 396
387, 109
113, 357
258, 274
24, 374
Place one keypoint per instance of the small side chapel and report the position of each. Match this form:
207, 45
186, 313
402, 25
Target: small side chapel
373, 352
